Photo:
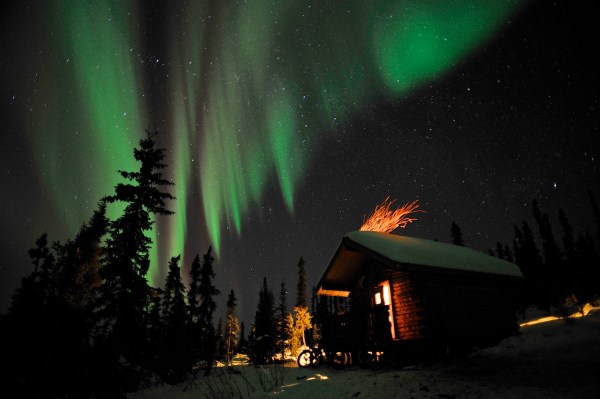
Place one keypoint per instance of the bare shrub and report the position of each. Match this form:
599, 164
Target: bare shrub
271, 377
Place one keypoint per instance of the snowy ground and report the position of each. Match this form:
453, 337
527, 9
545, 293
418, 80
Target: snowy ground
556, 359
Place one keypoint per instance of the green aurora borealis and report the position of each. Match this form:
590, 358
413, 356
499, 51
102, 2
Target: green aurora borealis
250, 90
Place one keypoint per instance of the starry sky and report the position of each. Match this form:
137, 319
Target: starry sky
285, 122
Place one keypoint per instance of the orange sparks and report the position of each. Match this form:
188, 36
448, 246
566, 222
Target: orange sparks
385, 220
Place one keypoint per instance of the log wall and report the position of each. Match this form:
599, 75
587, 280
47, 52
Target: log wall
473, 309
408, 308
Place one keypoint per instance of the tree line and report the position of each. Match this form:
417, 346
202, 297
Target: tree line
555, 276
86, 323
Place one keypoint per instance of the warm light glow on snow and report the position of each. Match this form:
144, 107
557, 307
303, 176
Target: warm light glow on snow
586, 310
319, 377
384, 220
539, 321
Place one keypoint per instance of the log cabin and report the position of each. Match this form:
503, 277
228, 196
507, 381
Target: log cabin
431, 294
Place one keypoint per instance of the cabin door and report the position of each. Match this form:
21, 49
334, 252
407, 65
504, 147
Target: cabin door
381, 297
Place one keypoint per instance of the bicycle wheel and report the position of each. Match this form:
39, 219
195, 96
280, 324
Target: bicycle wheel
392, 358
337, 360
305, 358
366, 357
318, 358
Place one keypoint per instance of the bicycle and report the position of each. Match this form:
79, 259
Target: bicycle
313, 357
375, 352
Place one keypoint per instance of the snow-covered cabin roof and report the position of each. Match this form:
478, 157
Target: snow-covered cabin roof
405, 253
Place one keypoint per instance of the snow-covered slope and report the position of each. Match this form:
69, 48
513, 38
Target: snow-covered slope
550, 360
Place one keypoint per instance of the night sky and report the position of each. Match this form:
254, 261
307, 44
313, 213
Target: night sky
285, 122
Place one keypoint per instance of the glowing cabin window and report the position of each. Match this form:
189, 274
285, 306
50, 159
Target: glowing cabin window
387, 300
386, 293
377, 298
382, 296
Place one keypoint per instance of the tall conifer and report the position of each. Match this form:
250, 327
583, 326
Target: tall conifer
232, 328
175, 349
301, 287
456, 234
125, 292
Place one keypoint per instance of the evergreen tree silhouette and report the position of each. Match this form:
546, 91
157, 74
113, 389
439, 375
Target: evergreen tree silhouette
219, 342
500, 250
456, 234
207, 291
596, 213
175, 360
527, 257
589, 286
24, 328
194, 300
202, 306
232, 328
568, 239
193, 292
243, 344
49, 323
301, 287
507, 254
125, 294
573, 271
155, 333
204, 329
69, 312
555, 286
283, 334
263, 342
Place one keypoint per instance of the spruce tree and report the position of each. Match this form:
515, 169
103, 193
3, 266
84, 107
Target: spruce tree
553, 278
155, 327
567, 239
49, 321
530, 262
219, 341
207, 292
573, 273
500, 250
232, 328
193, 292
204, 330
596, 213
24, 329
243, 344
282, 330
86, 279
301, 287
175, 348
590, 261
507, 254
75, 281
456, 234
125, 292
263, 344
